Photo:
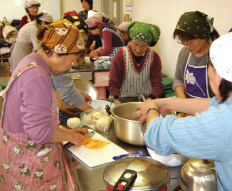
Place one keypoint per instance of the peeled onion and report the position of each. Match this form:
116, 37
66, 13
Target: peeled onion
103, 124
73, 122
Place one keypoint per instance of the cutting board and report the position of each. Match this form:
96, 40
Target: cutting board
92, 157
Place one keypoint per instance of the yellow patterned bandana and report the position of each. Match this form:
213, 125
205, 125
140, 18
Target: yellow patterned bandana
62, 37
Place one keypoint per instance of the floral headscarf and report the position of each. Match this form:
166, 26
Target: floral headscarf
196, 24
221, 56
62, 37
143, 32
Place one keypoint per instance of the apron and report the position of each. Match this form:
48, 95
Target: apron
196, 81
114, 49
135, 82
25, 165
28, 18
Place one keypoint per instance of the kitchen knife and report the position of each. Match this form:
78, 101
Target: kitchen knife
86, 136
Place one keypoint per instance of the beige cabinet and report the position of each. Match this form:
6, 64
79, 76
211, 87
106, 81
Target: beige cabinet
101, 81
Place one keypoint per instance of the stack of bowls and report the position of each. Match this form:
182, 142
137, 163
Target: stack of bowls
106, 63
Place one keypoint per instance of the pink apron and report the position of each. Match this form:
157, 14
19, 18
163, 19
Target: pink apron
25, 165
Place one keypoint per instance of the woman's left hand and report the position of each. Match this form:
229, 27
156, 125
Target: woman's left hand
82, 131
77, 136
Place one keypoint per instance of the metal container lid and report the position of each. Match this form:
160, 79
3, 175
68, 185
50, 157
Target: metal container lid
151, 174
201, 165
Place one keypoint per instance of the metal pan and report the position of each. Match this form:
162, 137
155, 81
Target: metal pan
127, 128
86, 86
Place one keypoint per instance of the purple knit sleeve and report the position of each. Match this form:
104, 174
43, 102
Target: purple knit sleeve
29, 104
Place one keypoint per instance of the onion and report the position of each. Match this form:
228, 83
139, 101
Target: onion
73, 122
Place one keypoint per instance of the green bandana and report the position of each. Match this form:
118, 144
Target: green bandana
197, 24
143, 32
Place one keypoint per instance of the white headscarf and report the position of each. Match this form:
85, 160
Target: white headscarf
30, 3
46, 17
221, 56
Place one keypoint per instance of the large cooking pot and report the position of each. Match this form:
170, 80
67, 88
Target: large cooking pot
147, 175
198, 174
127, 127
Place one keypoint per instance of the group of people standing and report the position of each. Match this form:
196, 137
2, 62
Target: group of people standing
29, 151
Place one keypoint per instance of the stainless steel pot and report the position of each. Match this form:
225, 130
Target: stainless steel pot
127, 127
151, 175
198, 174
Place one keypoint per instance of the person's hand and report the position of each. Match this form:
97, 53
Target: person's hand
142, 109
87, 97
92, 47
77, 136
82, 131
98, 49
163, 104
117, 101
93, 54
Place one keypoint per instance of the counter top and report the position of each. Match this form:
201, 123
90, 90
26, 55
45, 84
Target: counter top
91, 179
88, 69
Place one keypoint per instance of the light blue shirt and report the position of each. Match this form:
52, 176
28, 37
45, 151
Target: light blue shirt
207, 135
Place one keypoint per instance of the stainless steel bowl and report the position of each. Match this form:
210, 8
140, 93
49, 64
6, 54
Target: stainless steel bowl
127, 127
86, 86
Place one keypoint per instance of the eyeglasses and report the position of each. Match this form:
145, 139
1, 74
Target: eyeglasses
188, 44
143, 47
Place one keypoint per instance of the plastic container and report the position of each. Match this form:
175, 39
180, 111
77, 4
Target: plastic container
106, 64
97, 64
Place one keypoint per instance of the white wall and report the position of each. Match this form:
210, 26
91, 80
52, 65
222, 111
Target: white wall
127, 10
165, 14
11, 10
69, 5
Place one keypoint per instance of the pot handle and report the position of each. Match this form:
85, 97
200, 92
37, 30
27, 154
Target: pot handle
112, 99
125, 181
107, 107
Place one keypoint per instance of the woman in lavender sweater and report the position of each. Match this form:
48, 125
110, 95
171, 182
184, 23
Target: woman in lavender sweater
30, 157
